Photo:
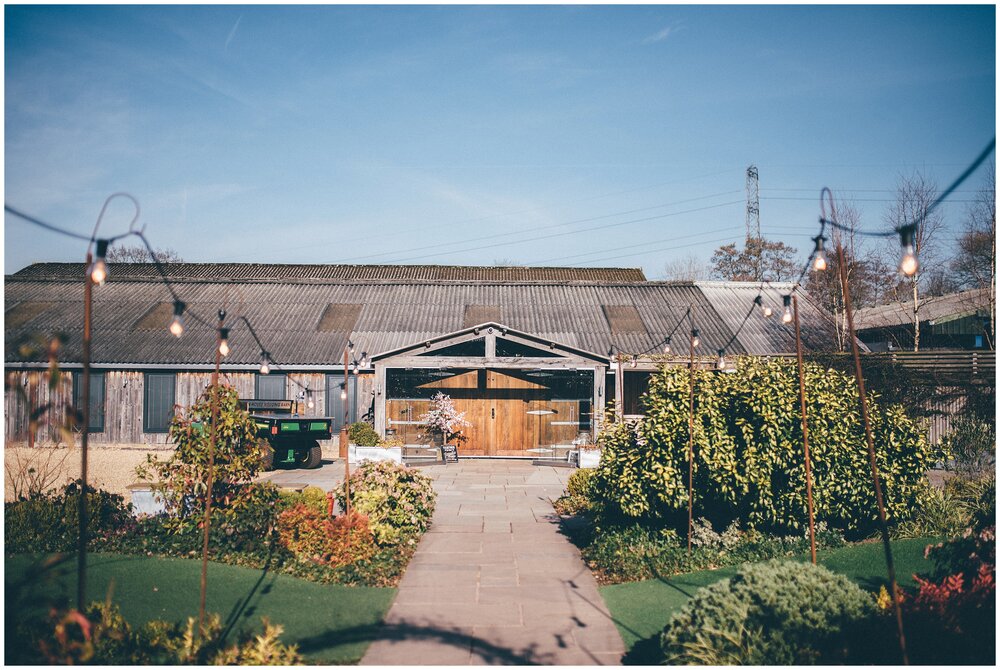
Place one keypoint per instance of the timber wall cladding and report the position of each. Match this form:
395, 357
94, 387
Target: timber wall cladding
28, 390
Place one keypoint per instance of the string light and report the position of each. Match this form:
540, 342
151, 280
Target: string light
343, 391
177, 323
666, 346
265, 363
224, 341
765, 310
98, 270
721, 362
908, 264
786, 317
695, 339
364, 359
633, 362
309, 399
354, 366
819, 255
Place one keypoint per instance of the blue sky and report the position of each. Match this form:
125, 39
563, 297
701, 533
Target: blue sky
566, 135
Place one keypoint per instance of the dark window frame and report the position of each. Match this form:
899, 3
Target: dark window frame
333, 384
279, 375
95, 376
146, 408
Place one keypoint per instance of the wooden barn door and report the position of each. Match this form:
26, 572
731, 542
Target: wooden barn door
510, 396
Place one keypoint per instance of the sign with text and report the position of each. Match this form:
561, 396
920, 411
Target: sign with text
449, 453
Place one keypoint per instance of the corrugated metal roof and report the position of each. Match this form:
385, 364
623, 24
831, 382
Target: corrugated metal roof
286, 314
938, 307
285, 272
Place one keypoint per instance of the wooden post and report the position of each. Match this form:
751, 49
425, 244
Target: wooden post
619, 389
805, 429
863, 401
210, 480
691, 440
344, 439
81, 549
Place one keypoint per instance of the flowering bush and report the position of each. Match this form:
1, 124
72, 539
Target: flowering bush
315, 536
443, 417
397, 500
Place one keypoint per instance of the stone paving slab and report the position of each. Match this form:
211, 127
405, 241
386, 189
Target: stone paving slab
493, 582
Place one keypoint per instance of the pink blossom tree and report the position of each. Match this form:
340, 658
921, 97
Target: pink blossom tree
443, 417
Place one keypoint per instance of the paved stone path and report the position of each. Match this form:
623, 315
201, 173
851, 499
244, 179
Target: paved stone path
493, 581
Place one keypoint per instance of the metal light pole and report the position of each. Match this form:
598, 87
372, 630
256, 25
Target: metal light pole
81, 549
863, 400
344, 438
211, 474
805, 429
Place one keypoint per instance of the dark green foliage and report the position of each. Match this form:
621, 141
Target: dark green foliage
633, 553
363, 434
972, 446
748, 452
50, 522
579, 495
775, 613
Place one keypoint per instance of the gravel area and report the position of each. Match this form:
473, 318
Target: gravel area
108, 468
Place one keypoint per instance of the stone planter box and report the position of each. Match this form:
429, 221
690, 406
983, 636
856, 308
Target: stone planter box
358, 454
145, 499
589, 458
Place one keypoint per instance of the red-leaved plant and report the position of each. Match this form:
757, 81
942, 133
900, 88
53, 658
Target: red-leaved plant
314, 536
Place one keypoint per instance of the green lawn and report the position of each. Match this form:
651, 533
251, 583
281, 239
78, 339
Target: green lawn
642, 609
330, 623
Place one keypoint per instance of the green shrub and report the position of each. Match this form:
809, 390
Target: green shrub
101, 636
237, 459
579, 493
50, 522
774, 613
631, 553
748, 462
363, 434
397, 500
936, 513
311, 496
978, 495
972, 446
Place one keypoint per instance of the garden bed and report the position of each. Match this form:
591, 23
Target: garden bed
331, 624
641, 609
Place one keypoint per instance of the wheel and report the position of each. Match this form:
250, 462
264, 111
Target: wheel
314, 457
266, 456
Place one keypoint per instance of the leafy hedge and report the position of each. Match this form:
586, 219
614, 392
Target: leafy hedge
748, 462
397, 500
775, 613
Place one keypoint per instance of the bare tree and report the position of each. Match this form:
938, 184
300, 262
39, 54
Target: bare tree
974, 264
759, 260
867, 275
914, 196
137, 254
688, 268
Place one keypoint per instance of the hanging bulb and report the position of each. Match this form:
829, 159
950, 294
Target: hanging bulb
364, 359
695, 340
343, 391
819, 255
224, 341
177, 323
786, 317
265, 363
354, 366
309, 403
765, 310
98, 270
908, 264
633, 362
666, 346
721, 362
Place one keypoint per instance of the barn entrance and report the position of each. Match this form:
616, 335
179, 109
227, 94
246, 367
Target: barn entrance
522, 397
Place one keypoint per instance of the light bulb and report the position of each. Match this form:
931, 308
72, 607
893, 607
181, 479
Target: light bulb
98, 272
310, 404
633, 362
666, 346
908, 264
265, 366
224, 343
721, 363
695, 340
759, 301
177, 326
819, 255
177, 323
786, 317
343, 394
768, 311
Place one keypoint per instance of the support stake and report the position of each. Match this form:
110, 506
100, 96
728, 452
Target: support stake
805, 429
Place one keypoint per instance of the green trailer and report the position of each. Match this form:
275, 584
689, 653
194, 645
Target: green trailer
292, 440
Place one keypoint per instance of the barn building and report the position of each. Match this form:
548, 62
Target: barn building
532, 355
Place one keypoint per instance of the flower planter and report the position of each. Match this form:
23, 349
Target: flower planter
358, 454
589, 458
146, 500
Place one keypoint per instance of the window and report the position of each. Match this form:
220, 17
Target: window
158, 402
270, 387
95, 424
334, 403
